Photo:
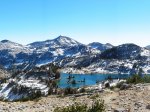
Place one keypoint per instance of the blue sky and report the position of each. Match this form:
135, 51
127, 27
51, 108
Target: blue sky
105, 21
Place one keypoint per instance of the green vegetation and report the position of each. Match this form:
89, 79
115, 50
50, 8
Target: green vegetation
107, 85
95, 96
70, 91
135, 79
3, 80
112, 87
82, 90
119, 85
77, 107
97, 106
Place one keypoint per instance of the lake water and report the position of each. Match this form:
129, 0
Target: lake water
89, 79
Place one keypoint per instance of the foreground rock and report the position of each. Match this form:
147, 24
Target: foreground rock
135, 99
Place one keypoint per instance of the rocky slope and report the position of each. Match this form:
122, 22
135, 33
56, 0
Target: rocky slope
134, 99
27, 85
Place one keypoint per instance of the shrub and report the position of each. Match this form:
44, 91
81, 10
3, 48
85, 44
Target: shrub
70, 91
146, 79
77, 107
134, 79
97, 106
119, 84
4, 80
82, 90
138, 79
94, 96
112, 88
107, 85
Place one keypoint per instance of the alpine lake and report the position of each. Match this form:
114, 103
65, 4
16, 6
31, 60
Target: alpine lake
80, 80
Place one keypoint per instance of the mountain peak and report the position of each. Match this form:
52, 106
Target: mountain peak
60, 41
63, 40
61, 37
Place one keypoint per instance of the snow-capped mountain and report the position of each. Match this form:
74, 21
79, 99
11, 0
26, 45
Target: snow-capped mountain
58, 49
61, 46
11, 52
66, 52
61, 41
40, 53
100, 46
120, 59
13, 48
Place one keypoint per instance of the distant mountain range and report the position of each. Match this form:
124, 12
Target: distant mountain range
67, 52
